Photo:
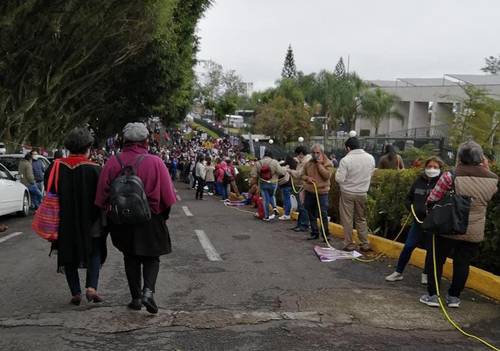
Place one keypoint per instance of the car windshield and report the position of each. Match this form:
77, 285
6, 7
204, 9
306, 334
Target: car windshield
12, 163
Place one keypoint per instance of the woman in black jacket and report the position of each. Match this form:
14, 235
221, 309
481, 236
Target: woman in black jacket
419, 191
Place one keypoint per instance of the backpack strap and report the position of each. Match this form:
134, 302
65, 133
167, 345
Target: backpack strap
117, 156
138, 161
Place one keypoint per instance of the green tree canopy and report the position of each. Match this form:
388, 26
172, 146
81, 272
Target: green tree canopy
378, 105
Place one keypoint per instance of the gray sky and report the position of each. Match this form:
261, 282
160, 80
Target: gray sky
386, 39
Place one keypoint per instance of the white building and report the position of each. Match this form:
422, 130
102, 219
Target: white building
426, 103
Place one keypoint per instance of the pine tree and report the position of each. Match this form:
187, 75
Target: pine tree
340, 68
289, 70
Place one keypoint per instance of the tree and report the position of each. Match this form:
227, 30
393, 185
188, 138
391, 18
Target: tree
377, 105
283, 120
492, 65
340, 71
219, 90
65, 63
478, 119
289, 70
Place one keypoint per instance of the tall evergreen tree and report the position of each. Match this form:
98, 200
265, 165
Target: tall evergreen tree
340, 68
289, 69
492, 65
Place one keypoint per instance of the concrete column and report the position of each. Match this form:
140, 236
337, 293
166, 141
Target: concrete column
441, 114
419, 115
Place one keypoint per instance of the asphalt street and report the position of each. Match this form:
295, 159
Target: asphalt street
231, 283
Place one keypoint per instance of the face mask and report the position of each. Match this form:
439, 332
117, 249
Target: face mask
432, 172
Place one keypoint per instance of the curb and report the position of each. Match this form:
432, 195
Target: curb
479, 280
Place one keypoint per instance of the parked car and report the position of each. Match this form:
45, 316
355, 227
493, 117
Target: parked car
15, 196
3, 149
11, 161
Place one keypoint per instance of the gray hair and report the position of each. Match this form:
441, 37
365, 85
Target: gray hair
135, 132
318, 146
470, 153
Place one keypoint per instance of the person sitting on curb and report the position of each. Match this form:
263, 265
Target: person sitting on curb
354, 176
3, 228
416, 197
317, 171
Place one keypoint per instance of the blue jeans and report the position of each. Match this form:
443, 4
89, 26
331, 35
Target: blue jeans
415, 236
93, 267
303, 220
36, 196
311, 204
221, 189
287, 201
268, 190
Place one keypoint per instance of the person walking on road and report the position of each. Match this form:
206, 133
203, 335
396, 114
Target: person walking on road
416, 197
316, 177
200, 173
28, 179
210, 177
141, 244
266, 172
81, 241
303, 157
472, 178
354, 176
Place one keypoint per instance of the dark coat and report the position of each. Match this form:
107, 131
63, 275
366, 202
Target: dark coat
77, 187
418, 193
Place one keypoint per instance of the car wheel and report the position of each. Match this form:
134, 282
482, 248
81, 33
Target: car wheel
26, 206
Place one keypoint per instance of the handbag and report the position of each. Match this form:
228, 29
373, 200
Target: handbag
450, 215
47, 216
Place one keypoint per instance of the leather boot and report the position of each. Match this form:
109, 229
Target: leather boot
148, 301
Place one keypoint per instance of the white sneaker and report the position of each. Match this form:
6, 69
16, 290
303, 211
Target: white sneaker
273, 216
284, 218
393, 277
423, 279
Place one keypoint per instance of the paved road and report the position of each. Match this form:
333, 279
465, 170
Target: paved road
257, 287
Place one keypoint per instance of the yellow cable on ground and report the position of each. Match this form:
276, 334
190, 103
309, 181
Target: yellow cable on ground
380, 254
443, 308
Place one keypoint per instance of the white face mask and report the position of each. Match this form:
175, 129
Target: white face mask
432, 172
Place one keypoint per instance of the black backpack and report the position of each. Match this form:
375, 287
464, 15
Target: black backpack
128, 200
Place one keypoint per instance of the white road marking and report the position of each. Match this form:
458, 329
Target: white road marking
212, 254
186, 211
10, 236
178, 198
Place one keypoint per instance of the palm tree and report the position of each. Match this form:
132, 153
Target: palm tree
377, 105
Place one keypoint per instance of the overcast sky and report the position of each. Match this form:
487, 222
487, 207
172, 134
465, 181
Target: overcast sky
386, 39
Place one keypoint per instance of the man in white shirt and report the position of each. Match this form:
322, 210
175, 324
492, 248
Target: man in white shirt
354, 176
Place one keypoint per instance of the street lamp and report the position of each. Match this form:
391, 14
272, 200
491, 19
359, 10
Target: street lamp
300, 139
271, 141
325, 127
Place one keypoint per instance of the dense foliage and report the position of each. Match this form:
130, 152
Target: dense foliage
67, 63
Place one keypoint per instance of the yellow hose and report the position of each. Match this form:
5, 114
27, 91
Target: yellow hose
321, 216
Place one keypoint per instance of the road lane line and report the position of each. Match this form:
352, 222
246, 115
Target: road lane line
178, 198
212, 254
10, 236
186, 211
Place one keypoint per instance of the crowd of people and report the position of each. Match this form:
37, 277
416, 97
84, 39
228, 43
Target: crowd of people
89, 199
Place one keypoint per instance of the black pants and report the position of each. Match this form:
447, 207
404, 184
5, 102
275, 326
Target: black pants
150, 268
462, 253
199, 189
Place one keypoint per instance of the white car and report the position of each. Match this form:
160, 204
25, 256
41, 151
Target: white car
11, 161
3, 150
15, 197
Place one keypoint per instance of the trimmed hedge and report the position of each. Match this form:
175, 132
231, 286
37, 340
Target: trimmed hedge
386, 210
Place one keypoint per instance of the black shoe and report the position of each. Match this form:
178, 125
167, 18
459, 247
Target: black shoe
300, 229
313, 237
135, 304
148, 301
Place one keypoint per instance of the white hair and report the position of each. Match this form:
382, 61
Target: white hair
318, 146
